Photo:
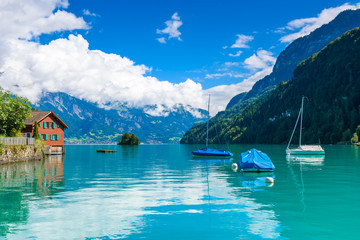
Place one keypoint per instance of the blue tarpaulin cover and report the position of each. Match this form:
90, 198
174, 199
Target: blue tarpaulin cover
212, 152
255, 159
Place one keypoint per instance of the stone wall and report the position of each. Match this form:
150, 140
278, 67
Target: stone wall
20, 153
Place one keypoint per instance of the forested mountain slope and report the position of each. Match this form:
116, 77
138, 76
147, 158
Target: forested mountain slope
329, 79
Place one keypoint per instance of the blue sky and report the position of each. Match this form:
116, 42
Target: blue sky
144, 53
128, 28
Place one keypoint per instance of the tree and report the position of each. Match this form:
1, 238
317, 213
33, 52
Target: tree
355, 139
124, 139
134, 140
346, 135
358, 130
129, 139
14, 110
36, 131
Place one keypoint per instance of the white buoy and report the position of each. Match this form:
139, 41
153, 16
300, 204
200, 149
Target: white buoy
269, 180
234, 167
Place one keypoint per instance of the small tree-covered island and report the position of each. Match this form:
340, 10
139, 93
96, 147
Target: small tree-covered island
128, 139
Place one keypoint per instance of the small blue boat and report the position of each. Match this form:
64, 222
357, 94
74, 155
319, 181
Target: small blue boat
211, 152
255, 161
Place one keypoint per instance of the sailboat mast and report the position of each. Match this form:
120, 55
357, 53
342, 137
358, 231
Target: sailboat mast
207, 125
301, 120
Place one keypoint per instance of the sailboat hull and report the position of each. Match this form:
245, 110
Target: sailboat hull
304, 152
211, 152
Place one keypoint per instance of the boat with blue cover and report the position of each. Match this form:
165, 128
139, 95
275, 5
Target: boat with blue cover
254, 160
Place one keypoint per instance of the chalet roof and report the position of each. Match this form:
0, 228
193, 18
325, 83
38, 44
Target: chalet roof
40, 115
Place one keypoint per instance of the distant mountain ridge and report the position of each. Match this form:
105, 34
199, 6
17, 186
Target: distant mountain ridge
330, 79
90, 124
299, 50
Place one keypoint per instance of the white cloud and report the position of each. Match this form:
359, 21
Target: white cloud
305, 26
171, 28
261, 64
222, 94
30, 18
261, 60
67, 65
242, 41
215, 75
161, 40
237, 54
88, 13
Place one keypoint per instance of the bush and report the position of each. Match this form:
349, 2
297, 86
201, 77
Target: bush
39, 144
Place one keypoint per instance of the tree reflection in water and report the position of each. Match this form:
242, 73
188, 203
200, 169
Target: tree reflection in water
24, 182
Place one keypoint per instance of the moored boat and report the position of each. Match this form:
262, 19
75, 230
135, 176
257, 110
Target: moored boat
210, 152
254, 160
303, 149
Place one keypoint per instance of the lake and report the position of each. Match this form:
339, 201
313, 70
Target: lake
161, 192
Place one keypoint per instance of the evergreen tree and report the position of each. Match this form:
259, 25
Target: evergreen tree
36, 131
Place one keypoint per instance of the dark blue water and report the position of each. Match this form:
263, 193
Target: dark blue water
161, 192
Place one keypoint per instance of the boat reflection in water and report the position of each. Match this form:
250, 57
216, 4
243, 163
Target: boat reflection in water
307, 160
214, 161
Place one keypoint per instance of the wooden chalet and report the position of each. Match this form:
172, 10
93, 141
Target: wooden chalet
51, 129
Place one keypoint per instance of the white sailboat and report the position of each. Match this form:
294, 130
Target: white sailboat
303, 149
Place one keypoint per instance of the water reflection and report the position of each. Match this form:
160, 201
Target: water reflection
229, 194
23, 182
307, 160
255, 181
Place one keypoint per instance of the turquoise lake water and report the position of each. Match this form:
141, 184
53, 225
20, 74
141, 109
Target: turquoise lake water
161, 192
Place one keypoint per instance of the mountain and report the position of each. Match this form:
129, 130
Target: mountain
89, 123
330, 79
299, 50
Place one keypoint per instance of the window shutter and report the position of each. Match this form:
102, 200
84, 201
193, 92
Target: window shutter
39, 124
51, 137
44, 124
40, 135
57, 137
53, 125
46, 137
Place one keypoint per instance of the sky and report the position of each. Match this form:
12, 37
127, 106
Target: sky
158, 53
